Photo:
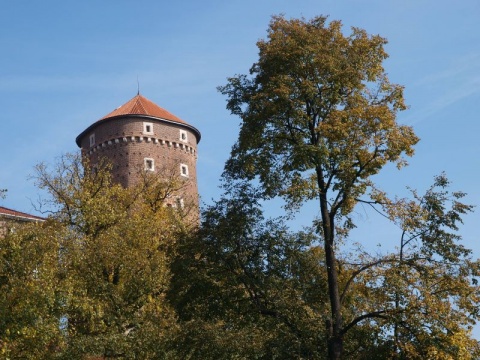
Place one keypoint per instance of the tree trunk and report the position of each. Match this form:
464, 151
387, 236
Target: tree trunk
335, 341
335, 338
396, 333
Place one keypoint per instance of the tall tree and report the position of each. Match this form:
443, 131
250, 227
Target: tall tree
318, 120
247, 287
114, 252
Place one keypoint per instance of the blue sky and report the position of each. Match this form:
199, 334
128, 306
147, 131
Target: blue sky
65, 64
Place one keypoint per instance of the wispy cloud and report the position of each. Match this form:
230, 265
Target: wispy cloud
445, 88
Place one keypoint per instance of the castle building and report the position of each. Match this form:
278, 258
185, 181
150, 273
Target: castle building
9, 219
139, 138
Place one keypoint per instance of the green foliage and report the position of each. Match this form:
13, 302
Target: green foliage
429, 293
318, 121
246, 287
117, 266
114, 273
30, 296
92, 280
318, 113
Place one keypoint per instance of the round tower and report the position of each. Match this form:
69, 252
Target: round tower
139, 138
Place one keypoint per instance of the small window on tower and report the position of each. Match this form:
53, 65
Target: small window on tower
180, 203
183, 136
149, 164
148, 128
92, 139
184, 170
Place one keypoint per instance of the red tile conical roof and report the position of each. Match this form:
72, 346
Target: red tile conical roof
140, 105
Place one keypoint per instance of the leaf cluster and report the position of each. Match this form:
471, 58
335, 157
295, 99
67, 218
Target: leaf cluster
423, 297
103, 258
243, 274
318, 113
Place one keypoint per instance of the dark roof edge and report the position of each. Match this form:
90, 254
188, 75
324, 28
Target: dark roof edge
96, 123
21, 216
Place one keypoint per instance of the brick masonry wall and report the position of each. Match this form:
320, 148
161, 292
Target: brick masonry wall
7, 223
3, 227
125, 144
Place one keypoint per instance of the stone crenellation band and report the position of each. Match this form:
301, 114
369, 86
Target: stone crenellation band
154, 140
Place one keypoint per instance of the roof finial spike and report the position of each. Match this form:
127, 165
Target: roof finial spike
138, 87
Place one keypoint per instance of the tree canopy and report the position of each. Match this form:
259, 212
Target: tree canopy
115, 273
318, 120
318, 113
248, 286
93, 278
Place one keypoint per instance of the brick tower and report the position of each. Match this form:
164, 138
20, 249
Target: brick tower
140, 137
